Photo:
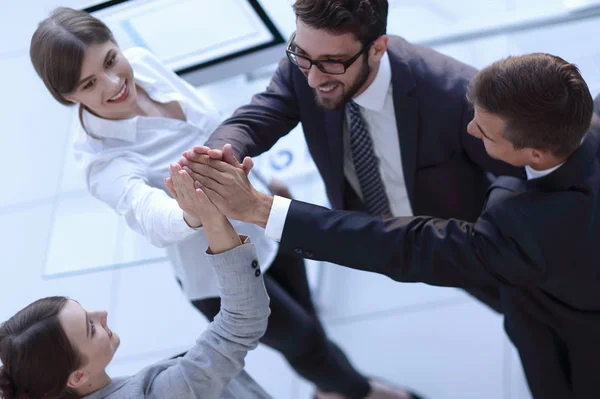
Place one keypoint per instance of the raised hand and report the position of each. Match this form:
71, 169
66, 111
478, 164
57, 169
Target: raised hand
199, 154
189, 195
226, 184
190, 198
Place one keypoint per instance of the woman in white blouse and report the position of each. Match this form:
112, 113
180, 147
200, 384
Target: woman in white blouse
138, 116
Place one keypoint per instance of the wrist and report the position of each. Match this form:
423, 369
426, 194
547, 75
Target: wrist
192, 221
216, 223
261, 210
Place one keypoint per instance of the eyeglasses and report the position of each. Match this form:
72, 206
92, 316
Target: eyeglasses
330, 67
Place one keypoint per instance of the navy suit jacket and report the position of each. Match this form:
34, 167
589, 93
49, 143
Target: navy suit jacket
537, 241
444, 167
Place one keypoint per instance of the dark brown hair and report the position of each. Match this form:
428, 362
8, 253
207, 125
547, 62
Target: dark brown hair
58, 47
543, 100
366, 19
36, 354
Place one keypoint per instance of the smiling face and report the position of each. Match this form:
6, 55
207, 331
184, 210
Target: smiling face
88, 332
106, 86
333, 91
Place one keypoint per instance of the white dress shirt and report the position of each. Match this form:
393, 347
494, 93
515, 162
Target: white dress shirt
376, 104
126, 165
534, 174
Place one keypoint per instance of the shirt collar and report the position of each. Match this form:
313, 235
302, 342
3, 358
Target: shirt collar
373, 98
534, 174
122, 129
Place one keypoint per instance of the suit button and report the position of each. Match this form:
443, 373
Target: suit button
257, 272
254, 264
299, 251
309, 254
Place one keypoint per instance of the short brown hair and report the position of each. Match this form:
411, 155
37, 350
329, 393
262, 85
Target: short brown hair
543, 100
366, 19
58, 47
36, 354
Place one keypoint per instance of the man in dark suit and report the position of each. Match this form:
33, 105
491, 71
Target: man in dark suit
536, 240
384, 120
408, 101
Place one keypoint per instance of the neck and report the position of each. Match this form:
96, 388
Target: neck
144, 103
94, 384
549, 163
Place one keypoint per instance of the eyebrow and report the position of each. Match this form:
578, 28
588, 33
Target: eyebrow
338, 55
482, 132
87, 325
108, 55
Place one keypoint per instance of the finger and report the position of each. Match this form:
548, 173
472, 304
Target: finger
169, 186
210, 183
193, 156
186, 179
216, 155
198, 176
214, 197
201, 149
229, 157
203, 198
247, 164
181, 189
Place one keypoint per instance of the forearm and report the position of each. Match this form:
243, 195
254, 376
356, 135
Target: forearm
417, 249
255, 127
220, 234
219, 352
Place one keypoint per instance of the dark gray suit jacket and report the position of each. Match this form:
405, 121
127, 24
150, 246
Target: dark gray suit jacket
444, 167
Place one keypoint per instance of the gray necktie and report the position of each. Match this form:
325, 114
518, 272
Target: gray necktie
366, 164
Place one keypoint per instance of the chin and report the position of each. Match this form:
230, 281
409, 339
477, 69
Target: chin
329, 104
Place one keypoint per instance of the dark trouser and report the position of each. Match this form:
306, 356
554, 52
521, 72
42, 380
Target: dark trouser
295, 330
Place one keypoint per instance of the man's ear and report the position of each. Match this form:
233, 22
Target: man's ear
378, 48
539, 156
77, 379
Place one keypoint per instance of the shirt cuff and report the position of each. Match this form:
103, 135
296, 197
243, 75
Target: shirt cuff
179, 226
277, 216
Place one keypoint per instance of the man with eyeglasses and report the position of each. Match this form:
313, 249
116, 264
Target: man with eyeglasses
385, 120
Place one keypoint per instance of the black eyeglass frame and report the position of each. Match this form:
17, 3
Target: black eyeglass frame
319, 64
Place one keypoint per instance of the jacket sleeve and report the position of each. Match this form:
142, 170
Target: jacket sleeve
218, 356
271, 114
494, 250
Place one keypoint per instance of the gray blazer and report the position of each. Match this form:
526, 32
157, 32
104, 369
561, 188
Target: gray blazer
214, 367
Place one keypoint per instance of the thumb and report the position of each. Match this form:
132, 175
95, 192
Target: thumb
229, 157
247, 164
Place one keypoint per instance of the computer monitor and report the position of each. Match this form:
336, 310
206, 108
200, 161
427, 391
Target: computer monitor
201, 40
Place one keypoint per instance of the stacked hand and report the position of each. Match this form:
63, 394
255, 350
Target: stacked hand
225, 182
194, 202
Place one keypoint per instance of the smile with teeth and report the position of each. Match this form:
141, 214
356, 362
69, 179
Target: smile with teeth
328, 88
119, 94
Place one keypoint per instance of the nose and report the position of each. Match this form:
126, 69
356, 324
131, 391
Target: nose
315, 77
104, 317
472, 130
101, 316
112, 82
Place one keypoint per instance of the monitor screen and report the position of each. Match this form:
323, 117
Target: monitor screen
191, 36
